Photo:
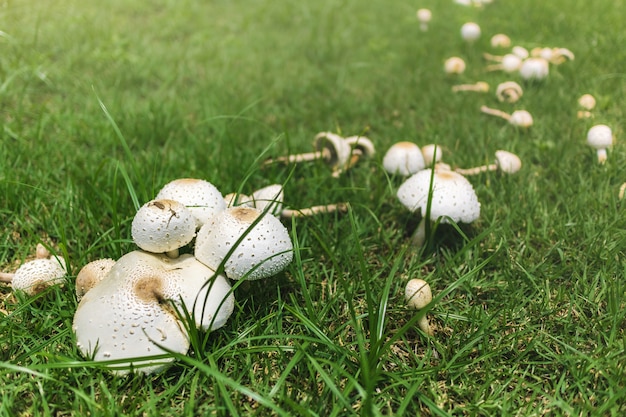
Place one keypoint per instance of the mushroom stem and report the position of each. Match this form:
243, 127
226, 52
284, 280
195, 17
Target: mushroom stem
490, 57
425, 325
173, 254
477, 170
303, 157
602, 155
622, 190
495, 112
6, 277
310, 211
419, 236
480, 86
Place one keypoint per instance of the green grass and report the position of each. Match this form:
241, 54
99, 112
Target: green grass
102, 105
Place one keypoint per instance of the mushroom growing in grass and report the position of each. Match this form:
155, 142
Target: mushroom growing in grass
431, 153
91, 274
587, 102
454, 65
470, 31
452, 199
519, 118
505, 162
500, 40
34, 276
362, 147
403, 158
479, 87
200, 197
600, 137
509, 91
424, 16
508, 63
418, 295
534, 68
163, 226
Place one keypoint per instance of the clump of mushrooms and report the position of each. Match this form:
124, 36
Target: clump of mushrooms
506, 162
519, 118
33, 277
418, 295
600, 137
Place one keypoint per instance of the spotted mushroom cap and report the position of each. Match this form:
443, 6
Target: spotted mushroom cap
201, 197
265, 250
127, 317
271, 196
403, 158
91, 274
34, 276
453, 197
162, 226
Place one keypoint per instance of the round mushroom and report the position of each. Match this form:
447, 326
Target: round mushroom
500, 40
506, 162
431, 153
534, 68
418, 295
600, 137
519, 118
34, 276
424, 16
403, 158
268, 199
470, 31
454, 65
508, 63
91, 274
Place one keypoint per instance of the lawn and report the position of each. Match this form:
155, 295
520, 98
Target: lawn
101, 105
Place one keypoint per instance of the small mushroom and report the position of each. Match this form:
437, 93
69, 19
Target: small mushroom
91, 274
500, 40
418, 295
249, 244
424, 16
200, 197
509, 63
534, 68
163, 226
505, 162
268, 199
560, 55
519, 118
509, 91
452, 197
600, 137
454, 65
34, 276
362, 147
587, 101
431, 153
480, 87
237, 199
403, 158
470, 31
520, 51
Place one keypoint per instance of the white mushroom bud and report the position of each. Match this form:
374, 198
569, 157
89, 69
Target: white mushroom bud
500, 40
587, 101
520, 51
431, 153
403, 158
519, 118
424, 16
600, 137
91, 274
506, 162
200, 197
480, 87
418, 295
470, 31
534, 69
163, 226
248, 244
509, 91
454, 65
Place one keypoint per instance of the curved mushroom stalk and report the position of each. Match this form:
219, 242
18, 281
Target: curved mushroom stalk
519, 118
479, 87
311, 211
506, 162
454, 65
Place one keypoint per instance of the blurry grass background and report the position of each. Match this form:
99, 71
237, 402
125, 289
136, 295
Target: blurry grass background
530, 316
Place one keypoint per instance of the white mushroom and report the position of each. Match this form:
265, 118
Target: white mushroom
91, 274
505, 162
509, 91
587, 101
519, 118
509, 63
480, 87
268, 199
560, 55
237, 199
35, 276
452, 198
424, 16
362, 147
520, 51
454, 65
403, 158
470, 31
600, 137
248, 244
418, 295
500, 40
534, 69
200, 197
163, 226
431, 153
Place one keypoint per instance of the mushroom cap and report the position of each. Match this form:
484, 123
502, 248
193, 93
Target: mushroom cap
424, 15
521, 118
431, 152
587, 101
500, 40
34, 276
201, 197
265, 250
534, 69
520, 51
453, 197
363, 144
91, 274
508, 162
403, 158
511, 63
417, 293
470, 31
163, 225
127, 317
509, 91
454, 65
600, 137
237, 199
271, 196
338, 150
